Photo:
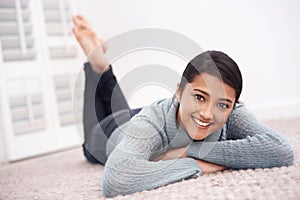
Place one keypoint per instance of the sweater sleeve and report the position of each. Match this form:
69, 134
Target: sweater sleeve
129, 168
249, 144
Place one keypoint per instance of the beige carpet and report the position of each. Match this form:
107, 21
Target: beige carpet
66, 175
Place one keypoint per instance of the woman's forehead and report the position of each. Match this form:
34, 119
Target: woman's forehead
212, 85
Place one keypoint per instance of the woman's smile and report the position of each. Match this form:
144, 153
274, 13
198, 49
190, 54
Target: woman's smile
204, 105
201, 124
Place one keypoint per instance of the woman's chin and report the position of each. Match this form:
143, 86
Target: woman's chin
199, 136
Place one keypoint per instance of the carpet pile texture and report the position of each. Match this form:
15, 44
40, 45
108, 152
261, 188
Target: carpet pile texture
67, 175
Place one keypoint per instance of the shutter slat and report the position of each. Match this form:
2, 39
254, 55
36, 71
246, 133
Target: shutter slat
38, 111
69, 52
54, 16
67, 120
20, 114
7, 4
63, 95
61, 83
65, 107
55, 29
7, 15
54, 4
12, 4
16, 54
11, 28
17, 101
36, 99
13, 42
26, 127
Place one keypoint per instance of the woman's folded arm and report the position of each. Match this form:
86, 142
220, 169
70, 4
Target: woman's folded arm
249, 144
130, 170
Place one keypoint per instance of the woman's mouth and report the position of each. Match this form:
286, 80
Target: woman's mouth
200, 123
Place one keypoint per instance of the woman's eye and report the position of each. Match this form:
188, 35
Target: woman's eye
199, 97
223, 105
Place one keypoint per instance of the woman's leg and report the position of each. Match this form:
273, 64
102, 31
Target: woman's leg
105, 108
102, 97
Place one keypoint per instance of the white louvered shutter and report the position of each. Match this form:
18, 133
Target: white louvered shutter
58, 20
17, 39
26, 105
38, 59
64, 89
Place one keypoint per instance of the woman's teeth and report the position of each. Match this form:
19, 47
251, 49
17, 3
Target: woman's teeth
197, 121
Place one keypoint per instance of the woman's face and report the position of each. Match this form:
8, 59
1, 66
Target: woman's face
205, 105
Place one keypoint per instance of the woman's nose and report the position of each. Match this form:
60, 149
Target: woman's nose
206, 112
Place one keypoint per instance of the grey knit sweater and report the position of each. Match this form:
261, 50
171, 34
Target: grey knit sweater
242, 143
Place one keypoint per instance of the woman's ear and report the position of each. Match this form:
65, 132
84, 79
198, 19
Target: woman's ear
178, 93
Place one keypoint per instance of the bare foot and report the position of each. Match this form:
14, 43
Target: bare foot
93, 47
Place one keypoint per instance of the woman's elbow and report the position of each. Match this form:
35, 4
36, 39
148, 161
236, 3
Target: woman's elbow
278, 151
288, 155
283, 156
110, 188
107, 189
115, 182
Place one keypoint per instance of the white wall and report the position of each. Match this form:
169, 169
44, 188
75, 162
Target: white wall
261, 36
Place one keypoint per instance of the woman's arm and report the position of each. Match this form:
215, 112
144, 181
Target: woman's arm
250, 144
206, 167
129, 169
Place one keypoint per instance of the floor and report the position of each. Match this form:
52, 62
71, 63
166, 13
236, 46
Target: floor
66, 175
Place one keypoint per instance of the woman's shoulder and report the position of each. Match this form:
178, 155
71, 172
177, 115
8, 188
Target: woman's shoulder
239, 108
238, 105
158, 112
240, 112
164, 102
158, 106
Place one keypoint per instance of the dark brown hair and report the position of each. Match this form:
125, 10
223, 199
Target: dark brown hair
215, 63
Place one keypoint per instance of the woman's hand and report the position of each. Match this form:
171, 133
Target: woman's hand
207, 167
93, 47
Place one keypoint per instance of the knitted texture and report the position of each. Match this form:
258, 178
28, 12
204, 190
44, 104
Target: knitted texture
242, 143
248, 144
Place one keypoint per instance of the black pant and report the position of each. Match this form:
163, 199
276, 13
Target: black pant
105, 108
